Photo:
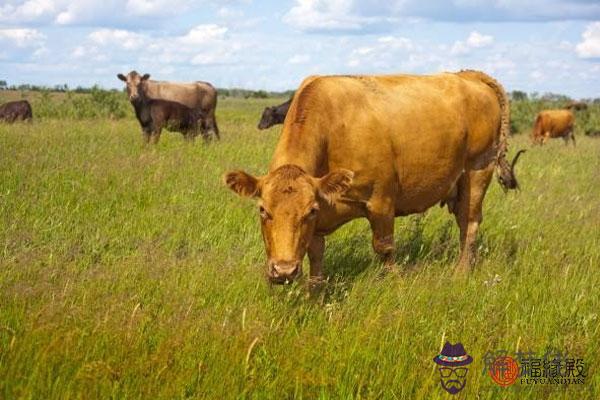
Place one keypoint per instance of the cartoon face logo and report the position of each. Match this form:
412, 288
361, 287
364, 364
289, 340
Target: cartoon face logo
452, 367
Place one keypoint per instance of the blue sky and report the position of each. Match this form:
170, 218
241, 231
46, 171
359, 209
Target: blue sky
543, 46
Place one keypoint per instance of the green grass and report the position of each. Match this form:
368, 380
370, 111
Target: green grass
129, 271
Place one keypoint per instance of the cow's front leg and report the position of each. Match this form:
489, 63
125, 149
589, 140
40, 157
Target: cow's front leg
381, 218
316, 251
146, 135
155, 137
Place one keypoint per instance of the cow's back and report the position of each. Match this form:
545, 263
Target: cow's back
400, 111
412, 134
196, 95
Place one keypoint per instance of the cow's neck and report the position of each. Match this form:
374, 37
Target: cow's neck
302, 146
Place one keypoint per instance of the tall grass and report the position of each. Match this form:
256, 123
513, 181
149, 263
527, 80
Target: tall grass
129, 271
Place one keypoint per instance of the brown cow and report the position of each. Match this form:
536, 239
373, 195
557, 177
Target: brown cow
16, 111
156, 114
378, 147
551, 124
200, 96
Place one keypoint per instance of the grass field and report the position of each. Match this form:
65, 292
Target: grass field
129, 271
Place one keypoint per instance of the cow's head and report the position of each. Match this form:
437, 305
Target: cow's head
135, 84
268, 118
289, 204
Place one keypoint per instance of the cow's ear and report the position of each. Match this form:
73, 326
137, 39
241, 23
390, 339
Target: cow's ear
334, 184
243, 184
122, 77
146, 77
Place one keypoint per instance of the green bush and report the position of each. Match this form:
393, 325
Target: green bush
97, 103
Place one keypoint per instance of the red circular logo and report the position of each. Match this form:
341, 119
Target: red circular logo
504, 371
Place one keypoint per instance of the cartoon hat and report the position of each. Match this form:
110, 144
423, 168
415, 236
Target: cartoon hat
453, 355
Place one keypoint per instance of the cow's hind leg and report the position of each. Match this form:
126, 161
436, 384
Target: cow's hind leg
472, 187
573, 138
214, 127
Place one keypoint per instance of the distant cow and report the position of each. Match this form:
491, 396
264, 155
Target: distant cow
274, 115
550, 124
576, 106
593, 132
156, 114
199, 96
16, 111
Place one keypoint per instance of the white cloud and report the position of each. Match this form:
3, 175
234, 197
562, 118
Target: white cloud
94, 12
537, 75
118, 37
228, 12
29, 10
22, 37
590, 45
207, 44
475, 41
299, 59
355, 15
383, 53
327, 15
156, 7
204, 34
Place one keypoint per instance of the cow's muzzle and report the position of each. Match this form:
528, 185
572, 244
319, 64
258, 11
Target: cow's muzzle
281, 272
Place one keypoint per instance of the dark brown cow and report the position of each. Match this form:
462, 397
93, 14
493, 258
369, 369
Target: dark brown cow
274, 115
593, 132
576, 106
156, 114
16, 111
199, 96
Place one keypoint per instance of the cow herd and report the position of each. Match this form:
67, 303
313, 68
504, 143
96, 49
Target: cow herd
374, 147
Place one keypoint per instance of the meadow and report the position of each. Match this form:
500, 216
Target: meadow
130, 272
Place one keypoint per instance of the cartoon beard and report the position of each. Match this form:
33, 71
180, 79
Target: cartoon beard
453, 386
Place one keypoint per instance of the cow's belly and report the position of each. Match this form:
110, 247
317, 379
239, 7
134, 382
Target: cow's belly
427, 168
420, 191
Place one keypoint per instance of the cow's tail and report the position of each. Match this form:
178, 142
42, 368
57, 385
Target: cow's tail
504, 170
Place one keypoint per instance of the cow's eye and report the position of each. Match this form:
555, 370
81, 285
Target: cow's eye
313, 212
263, 213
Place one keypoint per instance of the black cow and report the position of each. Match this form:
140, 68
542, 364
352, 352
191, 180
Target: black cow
16, 111
274, 115
593, 132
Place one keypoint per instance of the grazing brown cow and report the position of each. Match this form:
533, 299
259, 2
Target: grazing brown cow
156, 114
378, 147
200, 96
16, 111
550, 124
274, 115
